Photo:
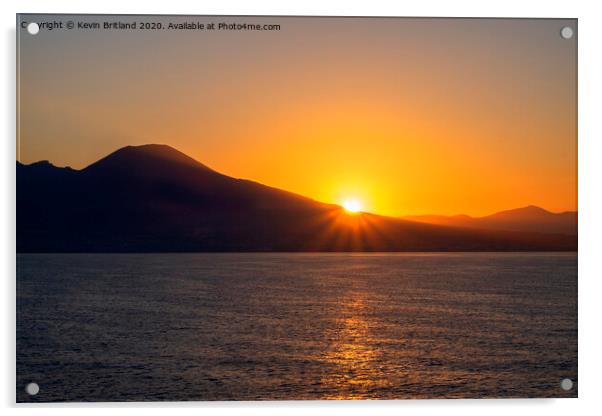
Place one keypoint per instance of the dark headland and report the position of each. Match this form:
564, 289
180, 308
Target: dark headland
153, 198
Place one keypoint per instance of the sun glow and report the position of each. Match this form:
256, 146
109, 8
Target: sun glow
352, 205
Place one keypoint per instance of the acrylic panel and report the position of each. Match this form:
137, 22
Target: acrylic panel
295, 208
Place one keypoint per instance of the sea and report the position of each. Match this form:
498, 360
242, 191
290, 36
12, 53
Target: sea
304, 326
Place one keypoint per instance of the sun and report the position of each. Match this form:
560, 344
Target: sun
352, 205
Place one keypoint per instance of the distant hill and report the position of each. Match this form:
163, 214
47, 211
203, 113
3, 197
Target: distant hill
153, 198
529, 219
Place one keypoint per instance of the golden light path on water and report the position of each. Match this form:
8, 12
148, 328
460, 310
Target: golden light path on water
353, 351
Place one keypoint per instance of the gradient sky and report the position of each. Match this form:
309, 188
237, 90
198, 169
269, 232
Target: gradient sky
410, 116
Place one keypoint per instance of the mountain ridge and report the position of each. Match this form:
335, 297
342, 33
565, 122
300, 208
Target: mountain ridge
155, 198
528, 218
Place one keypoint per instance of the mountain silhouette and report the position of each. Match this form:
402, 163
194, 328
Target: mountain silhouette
153, 198
528, 219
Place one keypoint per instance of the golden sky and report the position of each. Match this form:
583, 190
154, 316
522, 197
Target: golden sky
409, 116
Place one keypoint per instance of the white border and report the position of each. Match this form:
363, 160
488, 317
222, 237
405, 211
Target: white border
590, 199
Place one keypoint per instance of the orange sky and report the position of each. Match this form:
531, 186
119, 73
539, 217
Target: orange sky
410, 116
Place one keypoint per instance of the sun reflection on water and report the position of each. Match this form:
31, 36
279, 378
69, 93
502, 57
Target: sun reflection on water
352, 353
